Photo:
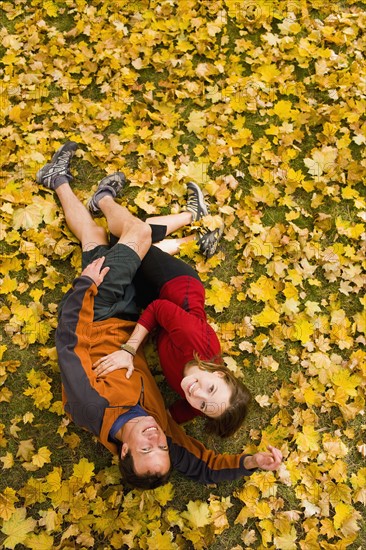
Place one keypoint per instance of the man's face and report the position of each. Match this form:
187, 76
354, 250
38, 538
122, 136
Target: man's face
148, 445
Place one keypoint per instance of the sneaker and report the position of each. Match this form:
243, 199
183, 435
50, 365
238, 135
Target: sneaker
196, 202
209, 240
112, 184
59, 165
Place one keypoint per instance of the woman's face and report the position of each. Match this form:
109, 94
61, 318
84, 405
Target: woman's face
206, 391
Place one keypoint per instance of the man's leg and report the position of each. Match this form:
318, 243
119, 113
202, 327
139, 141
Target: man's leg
79, 220
131, 231
56, 175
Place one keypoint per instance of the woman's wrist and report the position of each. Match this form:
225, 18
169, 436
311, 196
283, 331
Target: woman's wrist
130, 349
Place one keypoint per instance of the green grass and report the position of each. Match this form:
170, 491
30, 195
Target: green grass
43, 429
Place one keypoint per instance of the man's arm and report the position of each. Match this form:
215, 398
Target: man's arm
195, 461
83, 402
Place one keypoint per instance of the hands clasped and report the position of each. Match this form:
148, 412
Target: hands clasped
114, 361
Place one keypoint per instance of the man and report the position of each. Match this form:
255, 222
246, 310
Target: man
128, 416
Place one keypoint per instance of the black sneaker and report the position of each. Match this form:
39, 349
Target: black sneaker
114, 184
196, 202
59, 165
209, 240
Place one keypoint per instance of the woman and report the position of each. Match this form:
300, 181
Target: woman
188, 348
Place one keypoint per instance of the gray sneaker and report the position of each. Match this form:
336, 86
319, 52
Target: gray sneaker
59, 165
196, 202
111, 184
209, 240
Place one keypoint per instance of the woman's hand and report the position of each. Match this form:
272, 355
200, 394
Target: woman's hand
114, 361
96, 271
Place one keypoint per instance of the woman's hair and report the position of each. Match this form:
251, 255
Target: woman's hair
144, 481
233, 416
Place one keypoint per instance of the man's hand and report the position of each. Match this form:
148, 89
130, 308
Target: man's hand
95, 271
266, 461
114, 361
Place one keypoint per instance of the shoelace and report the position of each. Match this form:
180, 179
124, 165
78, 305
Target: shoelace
63, 161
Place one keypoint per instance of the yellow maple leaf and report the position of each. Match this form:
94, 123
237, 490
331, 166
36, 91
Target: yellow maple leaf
258, 246
42, 457
218, 512
195, 171
164, 494
28, 418
17, 528
308, 439
8, 498
197, 120
49, 519
158, 540
283, 109
53, 480
263, 289
219, 294
28, 217
3, 349
268, 316
25, 449
268, 72
286, 541
7, 460
302, 329
41, 541
346, 381
343, 512
197, 514
322, 161
8, 285
83, 470
72, 440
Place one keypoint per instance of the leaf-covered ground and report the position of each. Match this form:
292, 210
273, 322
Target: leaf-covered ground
263, 103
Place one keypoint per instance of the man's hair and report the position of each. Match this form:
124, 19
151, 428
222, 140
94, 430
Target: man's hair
234, 414
142, 481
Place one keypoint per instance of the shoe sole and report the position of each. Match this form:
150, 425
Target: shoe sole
54, 159
212, 246
121, 177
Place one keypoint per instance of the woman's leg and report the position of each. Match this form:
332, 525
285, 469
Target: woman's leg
157, 268
171, 246
172, 222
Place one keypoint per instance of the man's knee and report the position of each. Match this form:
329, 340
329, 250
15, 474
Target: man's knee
138, 237
93, 236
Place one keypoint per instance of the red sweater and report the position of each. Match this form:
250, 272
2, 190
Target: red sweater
183, 329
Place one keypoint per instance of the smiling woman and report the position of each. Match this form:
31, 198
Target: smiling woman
215, 391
